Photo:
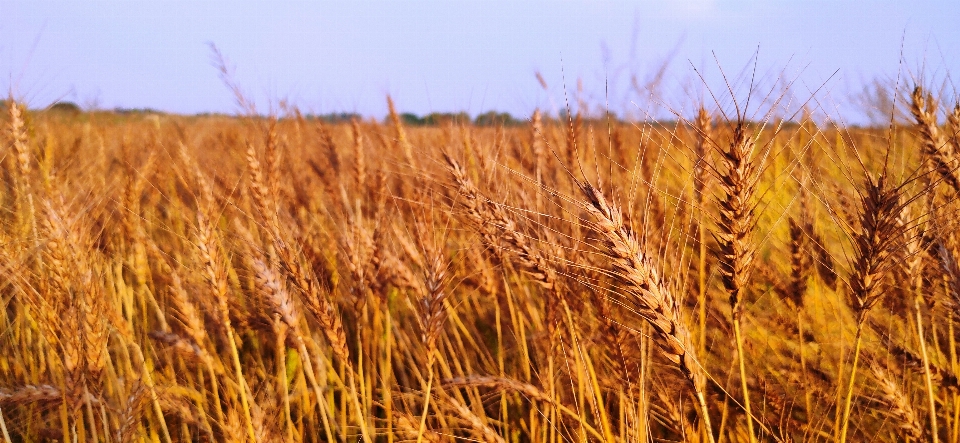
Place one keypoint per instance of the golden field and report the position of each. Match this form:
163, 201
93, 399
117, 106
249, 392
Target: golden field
169, 278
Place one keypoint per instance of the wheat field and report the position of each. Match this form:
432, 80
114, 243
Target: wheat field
284, 278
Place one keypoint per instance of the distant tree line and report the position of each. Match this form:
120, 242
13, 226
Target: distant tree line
490, 118
335, 117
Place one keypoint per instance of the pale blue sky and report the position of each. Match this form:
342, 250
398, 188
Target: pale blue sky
456, 55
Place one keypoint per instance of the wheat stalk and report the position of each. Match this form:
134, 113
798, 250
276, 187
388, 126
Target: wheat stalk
879, 235
953, 128
402, 142
636, 275
942, 158
529, 391
913, 248
797, 287
210, 254
704, 129
893, 396
431, 314
735, 226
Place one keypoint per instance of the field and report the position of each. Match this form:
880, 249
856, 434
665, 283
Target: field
172, 278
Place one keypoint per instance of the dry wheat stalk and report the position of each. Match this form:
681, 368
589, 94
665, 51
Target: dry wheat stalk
942, 157
899, 405
496, 228
274, 146
797, 287
20, 149
76, 294
265, 421
274, 292
322, 309
30, 394
499, 230
673, 414
738, 182
301, 276
331, 148
953, 129
913, 248
737, 219
402, 142
271, 289
944, 377
703, 125
878, 237
194, 326
430, 306
179, 344
529, 391
799, 264
262, 195
130, 414
826, 268
408, 426
648, 295
487, 435
215, 272
359, 161
187, 312
949, 268
704, 128
539, 153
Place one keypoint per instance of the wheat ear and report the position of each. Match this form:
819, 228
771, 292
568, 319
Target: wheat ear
634, 272
704, 128
874, 245
942, 158
796, 288
402, 142
497, 229
953, 129
274, 292
216, 275
431, 314
914, 263
736, 247
892, 395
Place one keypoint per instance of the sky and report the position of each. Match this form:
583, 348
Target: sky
473, 55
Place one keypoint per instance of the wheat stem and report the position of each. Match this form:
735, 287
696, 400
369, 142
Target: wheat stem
151, 390
955, 428
848, 398
426, 403
705, 414
386, 371
358, 406
743, 376
583, 361
241, 381
312, 379
803, 369
702, 287
931, 398
281, 350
